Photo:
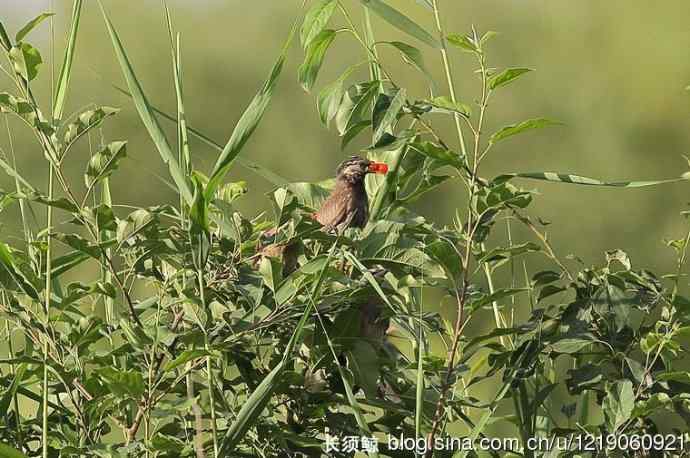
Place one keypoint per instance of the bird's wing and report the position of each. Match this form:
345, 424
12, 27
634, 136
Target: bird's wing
333, 211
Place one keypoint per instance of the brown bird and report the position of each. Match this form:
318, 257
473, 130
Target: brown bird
348, 204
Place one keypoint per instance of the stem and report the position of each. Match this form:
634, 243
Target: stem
449, 75
209, 370
473, 222
15, 401
49, 224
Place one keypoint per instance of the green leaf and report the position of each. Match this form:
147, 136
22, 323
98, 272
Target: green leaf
556, 177
230, 192
315, 53
436, 152
582, 378
678, 376
80, 244
8, 452
316, 20
412, 56
506, 77
66, 69
26, 60
648, 406
11, 265
103, 163
270, 270
123, 383
364, 362
618, 403
570, 345
390, 115
200, 232
61, 202
259, 398
85, 122
355, 107
184, 357
329, 98
24, 109
136, 222
260, 170
146, 113
9, 393
4, 38
463, 42
249, 121
400, 21
445, 105
515, 129
31, 25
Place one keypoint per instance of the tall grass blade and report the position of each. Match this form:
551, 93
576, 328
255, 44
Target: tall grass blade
66, 70
147, 114
249, 121
260, 170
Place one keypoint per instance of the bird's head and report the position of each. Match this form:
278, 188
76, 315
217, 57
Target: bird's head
354, 170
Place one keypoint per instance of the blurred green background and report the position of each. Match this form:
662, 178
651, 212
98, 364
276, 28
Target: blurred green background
614, 72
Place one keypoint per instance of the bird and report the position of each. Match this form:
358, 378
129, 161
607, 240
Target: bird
348, 205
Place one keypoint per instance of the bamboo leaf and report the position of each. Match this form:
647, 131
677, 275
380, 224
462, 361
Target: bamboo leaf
515, 129
412, 56
66, 69
506, 77
260, 170
103, 163
146, 113
84, 123
248, 122
26, 60
556, 177
316, 20
330, 97
31, 25
4, 38
390, 115
315, 53
400, 21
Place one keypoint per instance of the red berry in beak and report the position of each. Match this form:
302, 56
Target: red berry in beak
378, 167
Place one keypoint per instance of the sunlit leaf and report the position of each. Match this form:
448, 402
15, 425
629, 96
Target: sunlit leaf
524, 126
315, 53
26, 60
506, 77
316, 20
400, 21
24, 31
103, 163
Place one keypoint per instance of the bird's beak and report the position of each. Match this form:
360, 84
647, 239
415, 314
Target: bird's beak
378, 167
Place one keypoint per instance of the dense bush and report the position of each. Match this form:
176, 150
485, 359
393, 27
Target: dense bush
211, 333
